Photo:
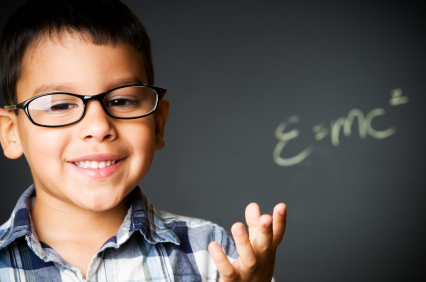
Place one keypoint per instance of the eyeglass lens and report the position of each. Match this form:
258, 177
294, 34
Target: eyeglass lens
61, 109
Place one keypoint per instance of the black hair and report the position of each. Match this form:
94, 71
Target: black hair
103, 21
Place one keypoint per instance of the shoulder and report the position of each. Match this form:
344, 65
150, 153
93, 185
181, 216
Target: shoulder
198, 233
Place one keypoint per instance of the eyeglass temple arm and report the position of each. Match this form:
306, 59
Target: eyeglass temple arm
10, 108
161, 91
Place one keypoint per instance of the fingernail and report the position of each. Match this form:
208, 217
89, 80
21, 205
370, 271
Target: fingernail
214, 248
267, 224
282, 212
239, 231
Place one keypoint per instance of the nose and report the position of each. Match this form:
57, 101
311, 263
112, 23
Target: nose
96, 125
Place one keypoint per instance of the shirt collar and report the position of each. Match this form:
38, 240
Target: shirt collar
141, 217
19, 224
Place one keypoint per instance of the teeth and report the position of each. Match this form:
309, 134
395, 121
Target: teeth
94, 164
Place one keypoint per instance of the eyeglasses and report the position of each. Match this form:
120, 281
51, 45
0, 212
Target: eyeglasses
62, 109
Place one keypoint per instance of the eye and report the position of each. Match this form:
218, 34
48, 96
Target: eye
61, 107
121, 102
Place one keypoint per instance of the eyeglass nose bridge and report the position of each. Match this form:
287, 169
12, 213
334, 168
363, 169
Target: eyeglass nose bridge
98, 97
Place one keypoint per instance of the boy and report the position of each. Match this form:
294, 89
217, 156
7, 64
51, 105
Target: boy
85, 219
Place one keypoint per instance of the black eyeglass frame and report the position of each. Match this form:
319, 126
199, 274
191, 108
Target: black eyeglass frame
99, 97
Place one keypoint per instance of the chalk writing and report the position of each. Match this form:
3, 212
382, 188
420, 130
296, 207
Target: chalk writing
364, 128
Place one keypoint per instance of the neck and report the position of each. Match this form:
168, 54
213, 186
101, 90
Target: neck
54, 220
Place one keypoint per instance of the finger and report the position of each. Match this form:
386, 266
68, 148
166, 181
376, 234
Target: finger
226, 269
279, 223
263, 243
244, 247
252, 219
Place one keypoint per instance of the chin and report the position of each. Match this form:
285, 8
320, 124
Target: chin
98, 207
101, 201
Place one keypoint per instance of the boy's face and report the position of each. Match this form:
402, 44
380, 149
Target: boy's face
78, 66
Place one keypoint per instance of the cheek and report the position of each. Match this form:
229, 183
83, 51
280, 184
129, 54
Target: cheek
43, 148
142, 140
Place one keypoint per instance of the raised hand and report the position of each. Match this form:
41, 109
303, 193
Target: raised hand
257, 249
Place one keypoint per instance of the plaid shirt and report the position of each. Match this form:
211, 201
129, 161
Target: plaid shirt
149, 246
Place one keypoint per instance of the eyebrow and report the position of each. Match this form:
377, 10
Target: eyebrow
65, 87
45, 88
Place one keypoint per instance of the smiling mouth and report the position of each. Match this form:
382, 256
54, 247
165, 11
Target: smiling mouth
95, 164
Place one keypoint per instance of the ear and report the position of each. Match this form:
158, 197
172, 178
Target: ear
9, 138
160, 118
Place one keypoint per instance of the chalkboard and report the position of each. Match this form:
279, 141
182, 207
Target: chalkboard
318, 104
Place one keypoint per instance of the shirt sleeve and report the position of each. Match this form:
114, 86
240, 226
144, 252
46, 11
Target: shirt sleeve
228, 245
